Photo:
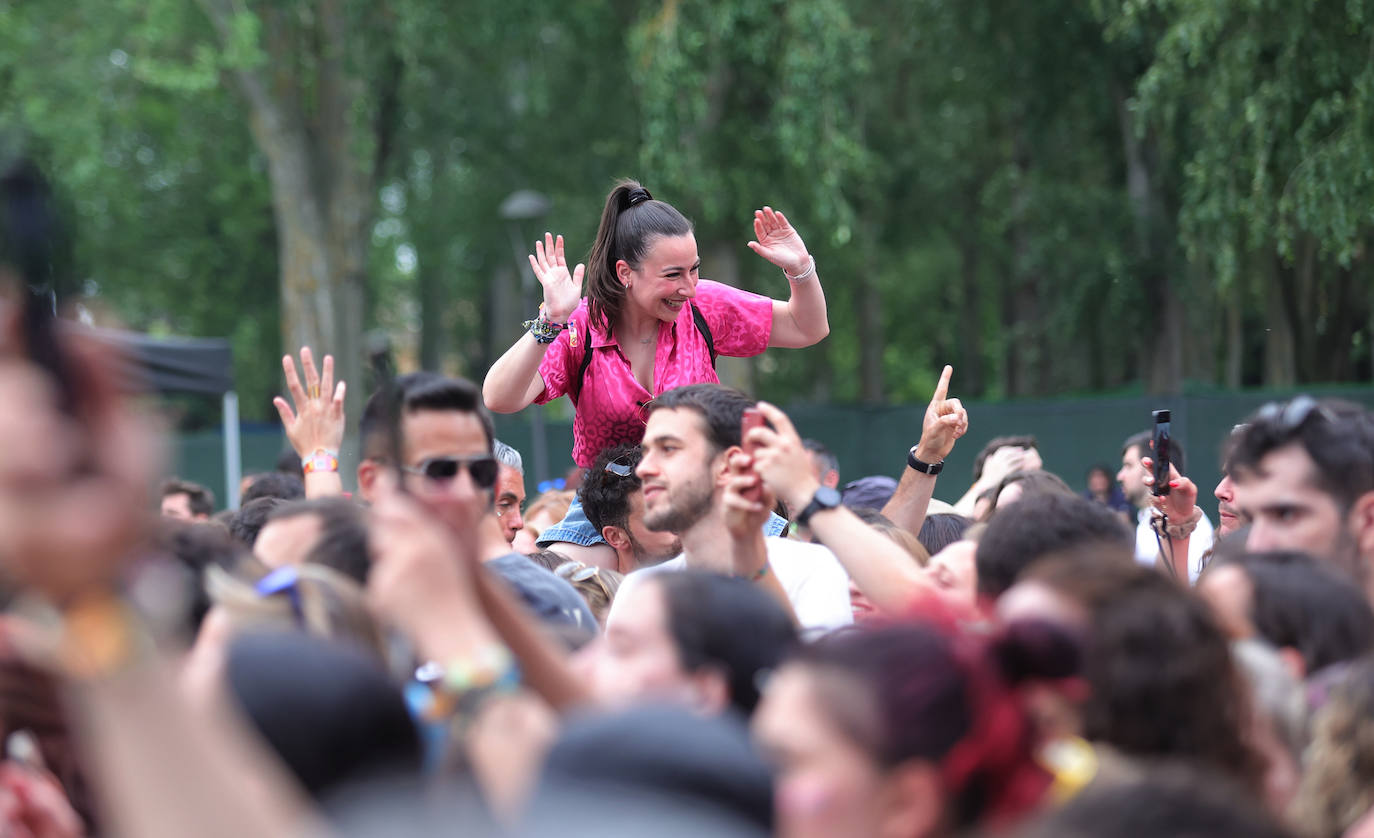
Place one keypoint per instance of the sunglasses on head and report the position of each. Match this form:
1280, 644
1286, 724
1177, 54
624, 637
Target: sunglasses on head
482, 469
1289, 416
620, 467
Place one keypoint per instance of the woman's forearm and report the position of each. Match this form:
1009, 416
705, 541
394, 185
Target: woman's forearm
513, 382
802, 320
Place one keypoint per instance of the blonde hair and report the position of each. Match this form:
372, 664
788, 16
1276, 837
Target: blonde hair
318, 600
596, 585
905, 540
1338, 781
555, 502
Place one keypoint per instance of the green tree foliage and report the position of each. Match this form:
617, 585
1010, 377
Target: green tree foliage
168, 204
1055, 196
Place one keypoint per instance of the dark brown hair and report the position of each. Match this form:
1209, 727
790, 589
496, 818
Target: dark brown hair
630, 220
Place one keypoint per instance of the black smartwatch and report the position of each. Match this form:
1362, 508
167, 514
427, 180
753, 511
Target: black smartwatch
825, 498
923, 467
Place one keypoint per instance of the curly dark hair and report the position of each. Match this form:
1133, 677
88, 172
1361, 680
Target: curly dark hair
1163, 684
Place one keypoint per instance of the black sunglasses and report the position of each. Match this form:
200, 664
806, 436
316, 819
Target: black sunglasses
483, 469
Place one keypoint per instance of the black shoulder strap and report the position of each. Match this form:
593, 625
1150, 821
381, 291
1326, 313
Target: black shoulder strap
705, 329
697, 317
586, 361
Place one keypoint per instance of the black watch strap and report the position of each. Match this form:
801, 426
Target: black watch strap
920, 465
825, 498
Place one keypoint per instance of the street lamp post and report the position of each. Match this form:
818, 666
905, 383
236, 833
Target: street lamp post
528, 205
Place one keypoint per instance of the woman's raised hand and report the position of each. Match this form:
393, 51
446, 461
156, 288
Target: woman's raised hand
562, 289
776, 241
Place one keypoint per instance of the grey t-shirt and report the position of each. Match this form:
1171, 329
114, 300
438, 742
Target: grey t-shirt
551, 598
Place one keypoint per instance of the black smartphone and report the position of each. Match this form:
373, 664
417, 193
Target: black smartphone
1160, 455
384, 378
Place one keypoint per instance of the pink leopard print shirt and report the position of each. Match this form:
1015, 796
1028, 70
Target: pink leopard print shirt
609, 409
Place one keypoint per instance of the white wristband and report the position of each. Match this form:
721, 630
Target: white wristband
804, 274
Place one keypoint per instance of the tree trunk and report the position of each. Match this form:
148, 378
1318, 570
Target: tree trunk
1161, 349
1235, 340
322, 178
1280, 356
872, 388
430, 292
970, 322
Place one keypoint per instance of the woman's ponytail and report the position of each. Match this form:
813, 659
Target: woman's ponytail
629, 221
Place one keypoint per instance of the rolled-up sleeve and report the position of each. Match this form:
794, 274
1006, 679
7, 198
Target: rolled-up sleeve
741, 321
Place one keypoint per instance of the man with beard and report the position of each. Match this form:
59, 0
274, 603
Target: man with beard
691, 434
1304, 480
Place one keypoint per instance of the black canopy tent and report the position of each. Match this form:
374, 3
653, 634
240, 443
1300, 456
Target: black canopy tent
187, 365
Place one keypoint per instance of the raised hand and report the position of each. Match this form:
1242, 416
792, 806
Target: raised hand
777, 241
747, 501
1002, 462
421, 573
1179, 504
317, 422
780, 459
562, 289
945, 421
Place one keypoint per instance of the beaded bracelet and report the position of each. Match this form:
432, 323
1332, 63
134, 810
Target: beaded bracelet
544, 330
463, 685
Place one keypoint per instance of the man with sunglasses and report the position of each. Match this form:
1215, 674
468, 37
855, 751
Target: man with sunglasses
447, 460
1304, 480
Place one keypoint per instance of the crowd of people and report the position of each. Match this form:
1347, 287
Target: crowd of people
714, 634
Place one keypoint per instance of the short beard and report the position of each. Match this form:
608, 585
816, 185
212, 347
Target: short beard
645, 558
692, 504
1141, 498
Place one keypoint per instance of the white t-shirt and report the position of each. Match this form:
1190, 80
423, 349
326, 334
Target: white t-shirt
815, 582
1147, 546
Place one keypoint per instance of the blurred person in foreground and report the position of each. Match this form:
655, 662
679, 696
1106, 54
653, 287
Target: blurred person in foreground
448, 460
904, 730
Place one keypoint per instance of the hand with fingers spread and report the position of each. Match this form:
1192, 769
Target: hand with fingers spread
562, 288
317, 422
777, 241
945, 421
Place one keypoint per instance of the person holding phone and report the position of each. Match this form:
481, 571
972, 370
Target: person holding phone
648, 323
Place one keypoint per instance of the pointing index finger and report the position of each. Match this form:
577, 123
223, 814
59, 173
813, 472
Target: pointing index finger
942, 389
